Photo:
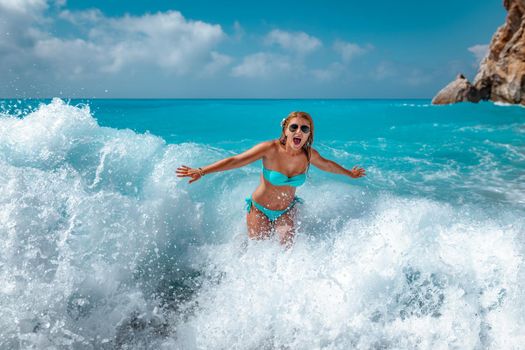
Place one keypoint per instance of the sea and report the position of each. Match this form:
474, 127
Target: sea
103, 247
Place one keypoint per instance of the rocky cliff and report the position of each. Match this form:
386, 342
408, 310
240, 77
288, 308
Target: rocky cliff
501, 75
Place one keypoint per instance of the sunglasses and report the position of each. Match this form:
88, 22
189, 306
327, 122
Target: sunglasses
304, 128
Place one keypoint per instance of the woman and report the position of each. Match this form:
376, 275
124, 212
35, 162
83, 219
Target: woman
285, 163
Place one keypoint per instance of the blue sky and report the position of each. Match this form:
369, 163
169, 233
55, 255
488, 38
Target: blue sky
240, 49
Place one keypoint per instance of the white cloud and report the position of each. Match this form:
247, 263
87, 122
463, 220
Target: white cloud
238, 31
218, 62
19, 33
348, 50
25, 7
85, 17
164, 40
147, 54
299, 42
268, 65
262, 65
17, 21
479, 51
72, 57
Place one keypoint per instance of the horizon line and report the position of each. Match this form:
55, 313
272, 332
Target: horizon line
216, 98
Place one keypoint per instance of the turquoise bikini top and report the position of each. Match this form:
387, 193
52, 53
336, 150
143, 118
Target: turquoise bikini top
279, 179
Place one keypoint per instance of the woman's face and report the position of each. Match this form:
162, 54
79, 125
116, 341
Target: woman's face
297, 138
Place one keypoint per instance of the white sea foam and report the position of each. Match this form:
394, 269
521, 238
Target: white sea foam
90, 218
506, 104
411, 274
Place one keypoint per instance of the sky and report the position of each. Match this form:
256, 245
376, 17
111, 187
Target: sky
240, 49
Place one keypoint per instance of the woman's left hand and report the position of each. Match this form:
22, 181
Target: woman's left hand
356, 172
186, 171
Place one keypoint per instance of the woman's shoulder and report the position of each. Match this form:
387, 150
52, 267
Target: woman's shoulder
270, 144
270, 147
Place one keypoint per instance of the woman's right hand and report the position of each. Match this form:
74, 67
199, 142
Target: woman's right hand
185, 171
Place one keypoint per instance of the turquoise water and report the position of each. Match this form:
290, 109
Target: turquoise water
105, 248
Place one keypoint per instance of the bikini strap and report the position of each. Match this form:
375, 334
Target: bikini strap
248, 205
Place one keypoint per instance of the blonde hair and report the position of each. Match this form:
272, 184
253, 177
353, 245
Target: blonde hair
307, 147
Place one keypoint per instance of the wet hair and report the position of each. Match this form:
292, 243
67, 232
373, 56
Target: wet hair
307, 147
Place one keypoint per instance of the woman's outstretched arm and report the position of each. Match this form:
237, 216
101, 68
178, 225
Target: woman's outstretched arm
236, 161
333, 167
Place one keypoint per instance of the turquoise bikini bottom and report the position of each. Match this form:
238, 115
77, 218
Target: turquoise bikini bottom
272, 215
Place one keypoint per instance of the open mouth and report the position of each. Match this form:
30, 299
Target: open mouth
296, 141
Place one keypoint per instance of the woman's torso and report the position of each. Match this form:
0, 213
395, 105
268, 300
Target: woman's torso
279, 197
